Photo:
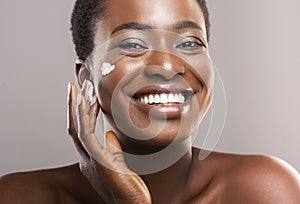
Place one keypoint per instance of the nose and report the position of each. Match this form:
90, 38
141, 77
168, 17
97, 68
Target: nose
164, 65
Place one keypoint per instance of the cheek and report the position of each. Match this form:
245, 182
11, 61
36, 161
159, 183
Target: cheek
112, 83
202, 69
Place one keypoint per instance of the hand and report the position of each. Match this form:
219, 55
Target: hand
103, 167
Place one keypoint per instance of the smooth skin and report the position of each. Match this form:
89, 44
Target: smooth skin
102, 174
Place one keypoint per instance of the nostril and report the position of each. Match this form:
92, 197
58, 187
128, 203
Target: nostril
167, 71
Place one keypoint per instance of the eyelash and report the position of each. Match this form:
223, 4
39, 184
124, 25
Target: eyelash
133, 46
130, 45
193, 43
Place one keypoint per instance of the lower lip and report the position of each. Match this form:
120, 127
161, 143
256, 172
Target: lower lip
163, 111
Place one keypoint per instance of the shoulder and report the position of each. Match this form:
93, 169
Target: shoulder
238, 178
41, 186
261, 179
27, 187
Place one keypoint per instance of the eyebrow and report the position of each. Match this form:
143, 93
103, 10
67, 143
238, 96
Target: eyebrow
141, 26
187, 24
131, 25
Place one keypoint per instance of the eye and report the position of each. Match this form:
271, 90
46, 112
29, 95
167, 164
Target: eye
133, 46
190, 44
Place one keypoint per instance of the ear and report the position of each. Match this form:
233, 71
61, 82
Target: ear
82, 72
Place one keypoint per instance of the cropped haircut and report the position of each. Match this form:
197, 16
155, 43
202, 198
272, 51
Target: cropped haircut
86, 14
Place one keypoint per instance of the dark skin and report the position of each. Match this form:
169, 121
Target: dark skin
104, 175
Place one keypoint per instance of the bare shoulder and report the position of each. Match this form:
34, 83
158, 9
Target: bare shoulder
59, 185
260, 179
27, 187
251, 179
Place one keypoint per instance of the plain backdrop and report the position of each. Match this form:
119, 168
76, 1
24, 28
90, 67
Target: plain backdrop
255, 45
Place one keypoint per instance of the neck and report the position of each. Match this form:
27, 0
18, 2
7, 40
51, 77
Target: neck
171, 181
159, 165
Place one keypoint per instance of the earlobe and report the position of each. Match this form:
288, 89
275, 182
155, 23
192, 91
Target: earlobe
82, 72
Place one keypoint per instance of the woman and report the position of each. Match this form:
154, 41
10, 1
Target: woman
131, 51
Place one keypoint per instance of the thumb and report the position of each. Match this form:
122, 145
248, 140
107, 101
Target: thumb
113, 145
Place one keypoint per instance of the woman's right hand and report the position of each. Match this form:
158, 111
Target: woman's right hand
105, 168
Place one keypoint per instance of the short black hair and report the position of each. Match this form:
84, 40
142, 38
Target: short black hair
86, 14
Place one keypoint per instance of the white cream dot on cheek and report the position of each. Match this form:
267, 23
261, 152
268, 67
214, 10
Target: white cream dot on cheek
107, 68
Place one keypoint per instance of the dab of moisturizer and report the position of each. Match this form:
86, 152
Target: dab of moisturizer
107, 68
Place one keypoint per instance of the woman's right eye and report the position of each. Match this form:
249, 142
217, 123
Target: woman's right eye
133, 47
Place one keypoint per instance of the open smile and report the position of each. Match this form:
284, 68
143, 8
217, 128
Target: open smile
163, 100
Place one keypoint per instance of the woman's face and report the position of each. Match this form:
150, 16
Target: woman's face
154, 95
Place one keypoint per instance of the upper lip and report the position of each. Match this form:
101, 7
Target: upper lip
162, 89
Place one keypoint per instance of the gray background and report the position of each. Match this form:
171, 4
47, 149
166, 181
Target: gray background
255, 45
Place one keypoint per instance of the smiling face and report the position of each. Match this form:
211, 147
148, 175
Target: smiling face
161, 87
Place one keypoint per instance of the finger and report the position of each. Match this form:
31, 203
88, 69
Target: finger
114, 146
71, 126
72, 119
91, 106
88, 137
89, 140
94, 106
83, 116
94, 111
102, 155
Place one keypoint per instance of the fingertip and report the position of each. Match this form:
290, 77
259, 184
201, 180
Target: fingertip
74, 90
109, 134
112, 139
71, 85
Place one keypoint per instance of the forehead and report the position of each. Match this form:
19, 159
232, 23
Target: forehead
159, 14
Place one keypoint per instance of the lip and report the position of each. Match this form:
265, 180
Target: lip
169, 111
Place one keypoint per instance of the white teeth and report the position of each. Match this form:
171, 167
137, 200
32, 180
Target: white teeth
156, 99
171, 98
162, 98
146, 100
176, 97
151, 99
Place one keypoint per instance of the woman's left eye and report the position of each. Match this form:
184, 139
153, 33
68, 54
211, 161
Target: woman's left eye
190, 43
